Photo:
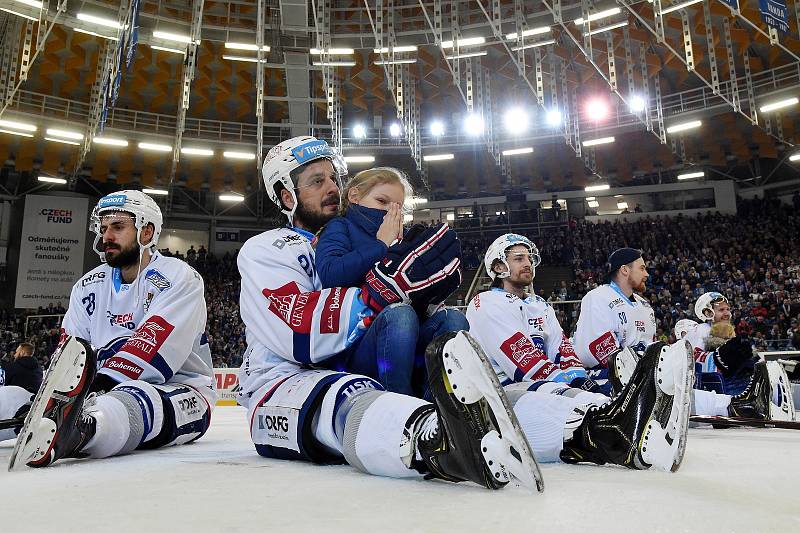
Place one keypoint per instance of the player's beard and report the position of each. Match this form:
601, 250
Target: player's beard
641, 287
312, 221
126, 257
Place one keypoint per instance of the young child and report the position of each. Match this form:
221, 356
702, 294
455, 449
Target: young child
347, 248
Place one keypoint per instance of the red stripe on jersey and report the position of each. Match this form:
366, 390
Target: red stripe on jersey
522, 352
603, 346
329, 323
148, 338
700, 356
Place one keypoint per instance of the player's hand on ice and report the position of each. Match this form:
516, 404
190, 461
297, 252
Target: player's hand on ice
392, 227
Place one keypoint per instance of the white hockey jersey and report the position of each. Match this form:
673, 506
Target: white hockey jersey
291, 321
697, 338
609, 320
522, 338
158, 337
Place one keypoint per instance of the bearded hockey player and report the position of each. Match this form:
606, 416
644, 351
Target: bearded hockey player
541, 373
616, 325
150, 383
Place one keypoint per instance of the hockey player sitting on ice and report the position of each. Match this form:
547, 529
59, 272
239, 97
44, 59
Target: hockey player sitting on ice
616, 325
151, 380
298, 411
371, 223
528, 349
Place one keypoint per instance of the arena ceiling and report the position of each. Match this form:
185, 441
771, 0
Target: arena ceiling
622, 60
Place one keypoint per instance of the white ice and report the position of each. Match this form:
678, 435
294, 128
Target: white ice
730, 480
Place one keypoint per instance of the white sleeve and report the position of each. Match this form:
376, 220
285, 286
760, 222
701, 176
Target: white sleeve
701, 355
164, 338
286, 312
596, 336
501, 329
76, 321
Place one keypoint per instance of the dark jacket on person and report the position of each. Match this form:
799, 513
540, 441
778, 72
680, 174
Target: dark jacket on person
25, 372
348, 247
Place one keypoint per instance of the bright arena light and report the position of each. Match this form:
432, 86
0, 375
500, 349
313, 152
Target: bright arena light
516, 120
597, 109
553, 117
437, 157
684, 126
156, 192
13, 124
359, 159
231, 197
602, 187
595, 142
48, 179
636, 103
394, 129
359, 131
794, 157
518, 151
238, 155
473, 124
766, 108
691, 175
155, 147
437, 128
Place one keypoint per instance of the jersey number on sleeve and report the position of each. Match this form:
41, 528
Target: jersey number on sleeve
307, 265
623, 319
88, 301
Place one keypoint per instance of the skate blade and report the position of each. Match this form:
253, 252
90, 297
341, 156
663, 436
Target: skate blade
27, 447
509, 451
663, 447
782, 390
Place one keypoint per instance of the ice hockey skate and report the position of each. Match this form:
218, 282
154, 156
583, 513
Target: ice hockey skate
621, 366
782, 405
646, 425
478, 437
54, 427
756, 400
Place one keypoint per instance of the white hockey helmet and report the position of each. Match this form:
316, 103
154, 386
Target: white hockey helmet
684, 326
285, 157
142, 208
497, 252
704, 306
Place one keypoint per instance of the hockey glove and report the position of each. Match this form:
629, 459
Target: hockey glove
422, 269
733, 355
586, 384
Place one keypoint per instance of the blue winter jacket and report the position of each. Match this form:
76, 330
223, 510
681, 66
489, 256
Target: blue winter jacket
348, 247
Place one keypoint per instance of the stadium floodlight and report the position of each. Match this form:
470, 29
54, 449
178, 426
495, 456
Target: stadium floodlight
597, 109
14, 125
17, 13
169, 36
593, 203
331, 51
246, 59
553, 117
595, 142
794, 157
231, 197
155, 147
607, 28
600, 15
397, 49
450, 217
622, 205
334, 63
691, 175
62, 141
684, 126
473, 124
359, 159
636, 104
766, 108
246, 46
394, 129
239, 155
197, 151
533, 45
32, 3
438, 157
464, 41
20, 133
678, 7
110, 141
467, 55
516, 121
95, 34
437, 128
517, 151
395, 62
408, 218
592, 188
528, 33
165, 49
100, 21
156, 192
53, 132
48, 179
415, 201
590, 198
359, 131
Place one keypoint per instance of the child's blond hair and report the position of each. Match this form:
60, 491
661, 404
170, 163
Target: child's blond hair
365, 180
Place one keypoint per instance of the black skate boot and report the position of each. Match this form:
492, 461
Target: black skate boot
754, 401
55, 427
621, 365
646, 424
476, 436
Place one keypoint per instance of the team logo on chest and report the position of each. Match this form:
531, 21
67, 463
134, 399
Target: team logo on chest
124, 319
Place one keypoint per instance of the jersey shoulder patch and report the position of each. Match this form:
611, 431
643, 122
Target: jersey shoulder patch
95, 276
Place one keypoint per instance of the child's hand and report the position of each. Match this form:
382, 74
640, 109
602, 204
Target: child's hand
392, 226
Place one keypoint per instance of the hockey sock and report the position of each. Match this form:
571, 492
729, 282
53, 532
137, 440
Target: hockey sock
709, 403
547, 421
119, 425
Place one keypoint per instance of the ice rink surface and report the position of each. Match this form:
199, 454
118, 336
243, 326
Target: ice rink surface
730, 480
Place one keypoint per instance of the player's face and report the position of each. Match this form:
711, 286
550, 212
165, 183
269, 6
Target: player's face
638, 275
722, 312
317, 195
520, 265
381, 196
118, 234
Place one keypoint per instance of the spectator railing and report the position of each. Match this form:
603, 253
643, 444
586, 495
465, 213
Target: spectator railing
29, 317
